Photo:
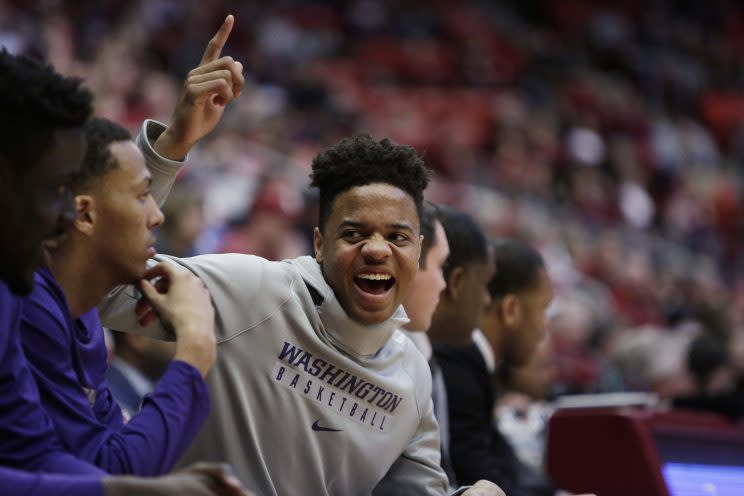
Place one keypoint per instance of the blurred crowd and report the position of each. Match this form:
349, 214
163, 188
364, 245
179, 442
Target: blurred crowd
608, 135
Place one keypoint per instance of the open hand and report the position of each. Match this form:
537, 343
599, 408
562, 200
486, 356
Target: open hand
200, 479
484, 488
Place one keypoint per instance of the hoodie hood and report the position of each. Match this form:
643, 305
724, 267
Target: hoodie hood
352, 337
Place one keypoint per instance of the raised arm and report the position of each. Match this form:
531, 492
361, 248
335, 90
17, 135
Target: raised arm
207, 91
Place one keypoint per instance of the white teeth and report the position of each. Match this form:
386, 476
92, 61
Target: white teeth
375, 277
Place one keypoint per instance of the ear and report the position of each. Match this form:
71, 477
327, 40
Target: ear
85, 214
455, 282
511, 310
318, 244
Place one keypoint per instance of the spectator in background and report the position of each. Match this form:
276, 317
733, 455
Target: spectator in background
267, 229
653, 359
186, 224
708, 363
40, 150
137, 363
717, 389
522, 411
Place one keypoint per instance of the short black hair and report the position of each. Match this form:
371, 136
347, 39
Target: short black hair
100, 134
705, 354
361, 160
517, 266
468, 244
36, 101
429, 218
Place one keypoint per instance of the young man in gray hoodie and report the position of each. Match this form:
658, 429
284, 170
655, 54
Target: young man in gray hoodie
315, 389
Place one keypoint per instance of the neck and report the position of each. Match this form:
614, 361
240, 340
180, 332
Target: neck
493, 330
446, 331
80, 277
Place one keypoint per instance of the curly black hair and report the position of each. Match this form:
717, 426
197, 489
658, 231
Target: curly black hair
360, 161
99, 134
35, 101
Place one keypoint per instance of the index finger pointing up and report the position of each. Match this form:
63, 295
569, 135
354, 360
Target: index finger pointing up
217, 43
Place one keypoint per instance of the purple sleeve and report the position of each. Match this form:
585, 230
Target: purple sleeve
174, 413
27, 437
153, 440
19, 483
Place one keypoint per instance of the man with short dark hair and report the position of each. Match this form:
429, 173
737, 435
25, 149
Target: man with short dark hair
41, 149
466, 272
109, 244
511, 326
315, 389
420, 305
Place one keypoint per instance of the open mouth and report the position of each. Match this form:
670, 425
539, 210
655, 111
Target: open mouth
376, 284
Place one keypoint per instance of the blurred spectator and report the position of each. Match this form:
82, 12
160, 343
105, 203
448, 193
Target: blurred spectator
522, 412
653, 359
184, 210
609, 135
137, 364
717, 388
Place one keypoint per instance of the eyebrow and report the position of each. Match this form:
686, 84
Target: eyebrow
361, 225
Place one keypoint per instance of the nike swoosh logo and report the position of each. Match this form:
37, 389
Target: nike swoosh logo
317, 427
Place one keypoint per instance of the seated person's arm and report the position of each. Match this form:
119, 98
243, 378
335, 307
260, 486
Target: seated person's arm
91, 427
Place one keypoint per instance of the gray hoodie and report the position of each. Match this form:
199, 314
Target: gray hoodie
306, 401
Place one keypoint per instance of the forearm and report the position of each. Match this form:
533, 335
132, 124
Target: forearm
163, 168
154, 439
128, 486
21, 483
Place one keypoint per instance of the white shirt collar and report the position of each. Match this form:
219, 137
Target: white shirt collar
422, 342
481, 342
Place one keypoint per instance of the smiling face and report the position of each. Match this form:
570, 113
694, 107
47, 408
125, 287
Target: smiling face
125, 215
369, 250
38, 206
423, 297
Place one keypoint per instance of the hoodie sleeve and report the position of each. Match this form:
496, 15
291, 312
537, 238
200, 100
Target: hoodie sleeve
163, 170
417, 470
245, 290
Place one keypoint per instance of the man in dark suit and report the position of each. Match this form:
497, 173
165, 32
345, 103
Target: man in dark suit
512, 318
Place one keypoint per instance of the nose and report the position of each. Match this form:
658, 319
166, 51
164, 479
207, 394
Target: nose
156, 215
376, 248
